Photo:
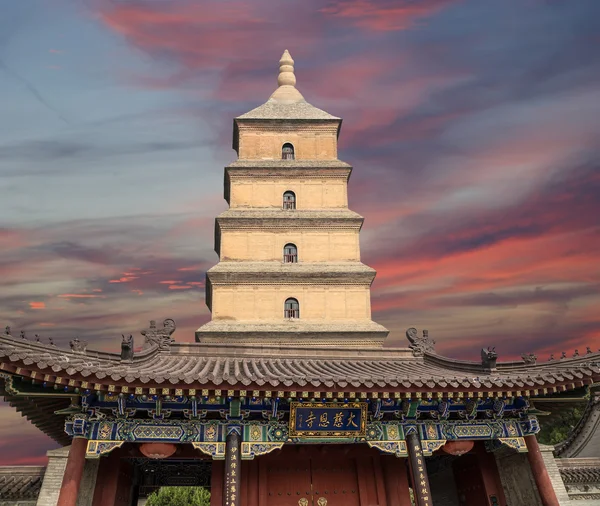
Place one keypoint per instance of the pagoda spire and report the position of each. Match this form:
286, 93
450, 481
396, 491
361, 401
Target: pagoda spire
286, 70
286, 80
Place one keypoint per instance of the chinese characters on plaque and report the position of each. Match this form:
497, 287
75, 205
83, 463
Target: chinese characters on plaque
313, 419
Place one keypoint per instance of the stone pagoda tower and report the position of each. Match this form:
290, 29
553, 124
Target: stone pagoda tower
289, 268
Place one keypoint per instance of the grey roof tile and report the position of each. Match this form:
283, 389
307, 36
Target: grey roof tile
274, 365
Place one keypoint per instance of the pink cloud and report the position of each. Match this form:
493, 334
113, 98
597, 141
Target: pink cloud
124, 279
37, 305
191, 268
385, 15
230, 38
79, 296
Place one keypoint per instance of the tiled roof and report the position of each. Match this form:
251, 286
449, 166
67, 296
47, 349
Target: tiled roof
358, 334
326, 267
290, 215
273, 109
20, 483
573, 471
320, 272
293, 365
288, 164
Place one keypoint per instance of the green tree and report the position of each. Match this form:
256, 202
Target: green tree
179, 496
558, 427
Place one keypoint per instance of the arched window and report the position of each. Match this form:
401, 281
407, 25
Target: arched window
290, 254
289, 200
287, 152
292, 309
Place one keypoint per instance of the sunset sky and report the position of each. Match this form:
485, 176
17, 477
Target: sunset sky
473, 128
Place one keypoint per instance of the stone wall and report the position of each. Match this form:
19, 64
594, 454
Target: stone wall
88, 483
517, 480
555, 477
311, 193
313, 245
266, 303
57, 461
265, 142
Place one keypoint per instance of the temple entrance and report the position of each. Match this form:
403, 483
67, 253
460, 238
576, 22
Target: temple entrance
471, 479
126, 477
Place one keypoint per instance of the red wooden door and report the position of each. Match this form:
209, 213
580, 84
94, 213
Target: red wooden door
288, 481
469, 482
334, 482
311, 480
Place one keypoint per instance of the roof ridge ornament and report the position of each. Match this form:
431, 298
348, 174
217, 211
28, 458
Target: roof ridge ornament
78, 346
420, 345
489, 358
529, 358
127, 347
159, 337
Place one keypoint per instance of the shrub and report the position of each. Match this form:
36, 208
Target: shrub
179, 496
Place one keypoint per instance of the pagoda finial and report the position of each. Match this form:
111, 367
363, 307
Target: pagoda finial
286, 93
286, 75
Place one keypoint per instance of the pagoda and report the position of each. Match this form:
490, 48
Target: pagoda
289, 266
289, 396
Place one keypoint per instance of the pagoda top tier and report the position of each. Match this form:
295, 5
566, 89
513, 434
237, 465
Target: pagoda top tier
287, 102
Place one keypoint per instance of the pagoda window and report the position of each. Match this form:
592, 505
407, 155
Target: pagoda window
292, 309
287, 151
290, 254
289, 200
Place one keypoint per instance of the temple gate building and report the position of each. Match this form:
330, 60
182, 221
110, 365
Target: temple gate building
289, 396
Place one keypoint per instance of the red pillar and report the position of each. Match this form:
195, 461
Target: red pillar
540, 473
107, 481
418, 470
73, 473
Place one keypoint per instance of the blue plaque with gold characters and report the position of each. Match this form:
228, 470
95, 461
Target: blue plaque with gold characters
316, 419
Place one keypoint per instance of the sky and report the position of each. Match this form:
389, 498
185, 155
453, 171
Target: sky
472, 125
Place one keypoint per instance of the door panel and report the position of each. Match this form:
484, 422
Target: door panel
312, 481
335, 481
288, 481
